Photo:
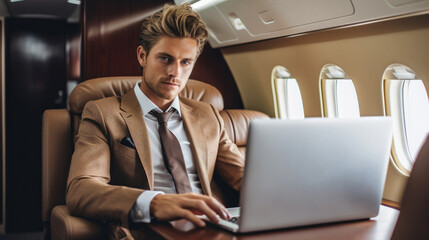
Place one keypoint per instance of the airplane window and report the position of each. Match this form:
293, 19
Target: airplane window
406, 100
286, 94
415, 98
338, 93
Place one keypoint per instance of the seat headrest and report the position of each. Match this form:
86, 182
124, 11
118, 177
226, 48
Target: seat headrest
98, 88
203, 92
237, 123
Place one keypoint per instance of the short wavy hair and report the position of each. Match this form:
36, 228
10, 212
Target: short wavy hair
173, 21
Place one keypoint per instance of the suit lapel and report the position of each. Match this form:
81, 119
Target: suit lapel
195, 132
133, 116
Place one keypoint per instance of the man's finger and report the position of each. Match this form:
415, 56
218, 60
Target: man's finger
218, 207
214, 204
201, 206
188, 215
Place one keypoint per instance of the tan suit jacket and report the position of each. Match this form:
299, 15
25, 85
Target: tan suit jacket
106, 177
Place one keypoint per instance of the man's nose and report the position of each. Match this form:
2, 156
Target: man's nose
174, 69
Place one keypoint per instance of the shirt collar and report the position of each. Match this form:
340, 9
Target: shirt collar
147, 105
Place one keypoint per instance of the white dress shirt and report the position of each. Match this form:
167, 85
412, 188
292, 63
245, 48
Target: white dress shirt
163, 181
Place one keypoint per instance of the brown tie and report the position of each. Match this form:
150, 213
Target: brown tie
172, 152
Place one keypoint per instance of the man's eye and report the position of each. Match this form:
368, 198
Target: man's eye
186, 62
164, 59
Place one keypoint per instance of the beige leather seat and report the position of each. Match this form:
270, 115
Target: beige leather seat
58, 130
413, 220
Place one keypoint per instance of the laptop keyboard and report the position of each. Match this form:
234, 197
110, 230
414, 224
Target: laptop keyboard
235, 220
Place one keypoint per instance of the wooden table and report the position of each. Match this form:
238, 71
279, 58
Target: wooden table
378, 228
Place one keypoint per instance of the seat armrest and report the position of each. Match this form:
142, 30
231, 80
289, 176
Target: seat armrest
236, 126
67, 227
56, 154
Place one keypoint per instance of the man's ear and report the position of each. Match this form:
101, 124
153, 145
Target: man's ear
141, 56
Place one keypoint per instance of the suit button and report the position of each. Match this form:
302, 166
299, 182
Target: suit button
139, 214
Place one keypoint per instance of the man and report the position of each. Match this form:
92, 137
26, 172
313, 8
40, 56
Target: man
121, 169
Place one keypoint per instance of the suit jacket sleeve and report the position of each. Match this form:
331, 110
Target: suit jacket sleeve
89, 193
230, 161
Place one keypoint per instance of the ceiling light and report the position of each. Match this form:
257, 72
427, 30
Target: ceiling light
77, 2
12, 1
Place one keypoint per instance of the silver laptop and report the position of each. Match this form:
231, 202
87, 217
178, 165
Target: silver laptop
312, 171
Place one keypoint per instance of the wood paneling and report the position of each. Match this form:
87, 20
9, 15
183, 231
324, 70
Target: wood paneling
35, 73
73, 51
212, 68
110, 32
1, 123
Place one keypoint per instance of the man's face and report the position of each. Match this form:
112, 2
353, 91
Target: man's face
166, 68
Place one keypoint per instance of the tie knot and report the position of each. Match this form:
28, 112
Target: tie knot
162, 117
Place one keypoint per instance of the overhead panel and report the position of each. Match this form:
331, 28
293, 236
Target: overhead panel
402, 2
261, 17
219, 28
232, 22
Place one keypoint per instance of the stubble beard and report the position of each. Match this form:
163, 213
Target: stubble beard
153, 90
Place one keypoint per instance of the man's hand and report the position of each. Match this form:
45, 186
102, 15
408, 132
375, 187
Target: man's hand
166, 207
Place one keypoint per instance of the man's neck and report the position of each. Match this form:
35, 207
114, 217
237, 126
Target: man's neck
163, 104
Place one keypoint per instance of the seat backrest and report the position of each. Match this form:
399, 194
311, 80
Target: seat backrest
413, 220
99, 88
59, 127
237, 125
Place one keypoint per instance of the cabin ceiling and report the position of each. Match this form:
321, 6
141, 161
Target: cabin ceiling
61, 9
232, 22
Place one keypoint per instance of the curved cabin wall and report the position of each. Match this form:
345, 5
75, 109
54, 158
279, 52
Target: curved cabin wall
362, 51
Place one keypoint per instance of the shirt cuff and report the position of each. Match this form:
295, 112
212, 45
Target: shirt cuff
140, 212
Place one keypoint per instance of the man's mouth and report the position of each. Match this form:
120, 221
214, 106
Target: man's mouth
170, 83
